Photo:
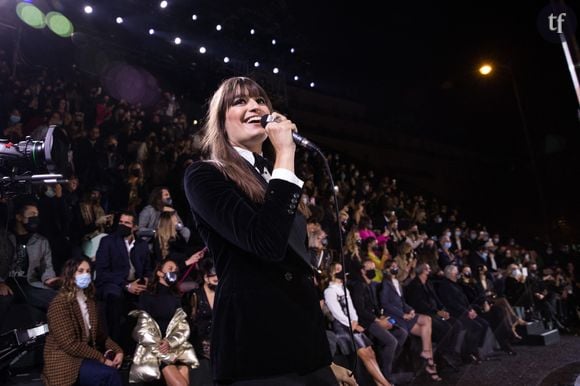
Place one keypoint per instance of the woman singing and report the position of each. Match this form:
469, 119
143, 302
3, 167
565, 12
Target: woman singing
268, 327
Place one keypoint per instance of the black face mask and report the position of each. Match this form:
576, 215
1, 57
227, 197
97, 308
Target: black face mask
358, 242
467, 275
339, 275
168, 201
170, 278
111, 147
370, 274
32, 225
394, 271
135, 172
124, 230
211, 286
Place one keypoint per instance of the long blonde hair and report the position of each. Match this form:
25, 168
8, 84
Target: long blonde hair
166, 232
215, 144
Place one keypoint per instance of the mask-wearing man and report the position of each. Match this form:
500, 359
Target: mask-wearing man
29, 268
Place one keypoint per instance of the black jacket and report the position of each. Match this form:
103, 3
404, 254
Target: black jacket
365, 301
453, 298
423, 297
267, 316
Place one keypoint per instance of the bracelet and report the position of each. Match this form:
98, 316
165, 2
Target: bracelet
128, 286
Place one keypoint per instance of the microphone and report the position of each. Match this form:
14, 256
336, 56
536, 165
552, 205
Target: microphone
298, 139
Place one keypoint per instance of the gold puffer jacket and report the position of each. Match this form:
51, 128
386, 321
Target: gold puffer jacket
145, 367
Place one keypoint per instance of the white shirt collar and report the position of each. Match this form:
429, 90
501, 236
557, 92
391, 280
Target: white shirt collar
246, 154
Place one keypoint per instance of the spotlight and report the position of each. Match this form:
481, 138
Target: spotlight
292, 50
195, 122
194, 17
151, 31
312, 84
296, 78
163, 4
275, 70
177, 40
273, 42
226, 60
88, 9
252, 31
119, 20
218, 27
202, 50
256, 64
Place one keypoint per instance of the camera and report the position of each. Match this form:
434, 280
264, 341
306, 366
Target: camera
33, 161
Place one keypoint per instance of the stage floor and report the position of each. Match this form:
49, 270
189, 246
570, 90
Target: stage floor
556, 365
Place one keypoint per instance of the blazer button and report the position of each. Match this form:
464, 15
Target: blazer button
290, 211
288, 276
296, 195
294, 200
292, 206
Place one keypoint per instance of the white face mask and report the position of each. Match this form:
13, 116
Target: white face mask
50, 193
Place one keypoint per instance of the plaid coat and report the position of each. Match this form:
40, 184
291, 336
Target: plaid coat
67, 344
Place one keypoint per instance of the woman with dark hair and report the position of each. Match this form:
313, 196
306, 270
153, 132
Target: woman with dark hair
77, 350
162, 331
247, 216
160, 201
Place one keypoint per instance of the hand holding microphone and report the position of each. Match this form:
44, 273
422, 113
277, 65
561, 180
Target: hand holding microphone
298, 139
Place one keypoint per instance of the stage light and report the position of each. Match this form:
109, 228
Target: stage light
292, 50
312, 84
256, 64
226, 60
59, 24
273, 42
31, 15
119, 20
151, 31
485, 69
252, 31
88, 9
202, 50
163, 4
194, 17
275, 70
195, 122
218, 27
177, 40
296, 78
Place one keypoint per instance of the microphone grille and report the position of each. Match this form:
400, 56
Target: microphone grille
266, 119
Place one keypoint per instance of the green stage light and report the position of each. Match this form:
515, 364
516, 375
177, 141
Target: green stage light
31, 15
59, 24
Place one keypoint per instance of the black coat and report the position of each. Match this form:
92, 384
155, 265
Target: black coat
267, 316
453, 298
422, 297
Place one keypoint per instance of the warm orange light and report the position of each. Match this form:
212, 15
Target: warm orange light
485, 69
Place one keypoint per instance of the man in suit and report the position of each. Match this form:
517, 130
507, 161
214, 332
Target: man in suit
389, 338
268, 326
455, 301
122, 270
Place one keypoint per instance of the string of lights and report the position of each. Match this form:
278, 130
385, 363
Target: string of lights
227, 39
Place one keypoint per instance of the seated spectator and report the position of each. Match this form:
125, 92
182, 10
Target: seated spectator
352, 251
388, 337
159, 200
446, 257
406, 261
378, 255
28, 270
169, 244
77, 351
496, 316
458, 306
90, 218
200, 309
122, 269
421, 295
162, 332
317, 247
335, 299
517, 292
394, 305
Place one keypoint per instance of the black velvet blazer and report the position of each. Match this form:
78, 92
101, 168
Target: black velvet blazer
267, 317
